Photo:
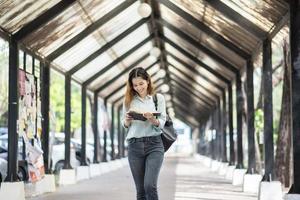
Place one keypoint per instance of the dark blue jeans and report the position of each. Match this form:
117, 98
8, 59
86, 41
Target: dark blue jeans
145, 156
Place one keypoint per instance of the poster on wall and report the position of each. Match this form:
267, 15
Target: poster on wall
28, 125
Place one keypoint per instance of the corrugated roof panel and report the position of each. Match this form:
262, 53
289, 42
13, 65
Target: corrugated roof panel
195, 87
15, 14
131, 40
195, 65
202, 37
97, 9
137, 54
59, 30
153, 69
114, 71
79, 52
120, 23
220, 24
198, 78
201, 56
93, 67
68, 24
262, 13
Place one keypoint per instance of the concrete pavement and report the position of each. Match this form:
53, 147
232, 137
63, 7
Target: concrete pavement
182, 178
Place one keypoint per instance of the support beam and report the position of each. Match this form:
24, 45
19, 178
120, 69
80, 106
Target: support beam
112, 132
119, 59
196, 60
199, 46
115, 78
191, 78
119, 135
95, 129
224, 130
43, 19
206, 29
268, 111
187, 85
104, 157
90, 29
190, 90
250, 119
295, 57
123, 85
45, 108
238, 19
239, 110
67, 164
83, 127
230, 123
195, 71
13, 105
182, 98
107, 46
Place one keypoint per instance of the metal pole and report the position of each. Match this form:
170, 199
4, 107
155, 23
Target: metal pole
268, 111
250, 119
67, 164
295, 57
13, 111
45, 105
95, 129
83, 127
239, 106
230, 123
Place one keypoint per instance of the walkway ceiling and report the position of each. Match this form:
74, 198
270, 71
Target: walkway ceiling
204, 43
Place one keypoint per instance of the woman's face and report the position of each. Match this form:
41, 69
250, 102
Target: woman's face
140, 86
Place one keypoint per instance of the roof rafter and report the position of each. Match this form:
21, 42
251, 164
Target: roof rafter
206, 29
199, 46
123, 85
195, 71
189, 77
43, 19
107, 46
238, 19
94, 26
196, 60
119, 59
185, 84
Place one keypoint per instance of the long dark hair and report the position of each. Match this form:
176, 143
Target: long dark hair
130, 92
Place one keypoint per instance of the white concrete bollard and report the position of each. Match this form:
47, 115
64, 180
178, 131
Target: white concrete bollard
270, 191
238, 176
12, 190
251, 183
67, 177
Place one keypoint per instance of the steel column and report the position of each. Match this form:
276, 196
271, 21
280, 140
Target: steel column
45, 105
268, 111
13, 103
250, 119
239, 110
67, 164
295, 58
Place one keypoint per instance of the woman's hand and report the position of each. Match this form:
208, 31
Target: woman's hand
128, 120
150, 117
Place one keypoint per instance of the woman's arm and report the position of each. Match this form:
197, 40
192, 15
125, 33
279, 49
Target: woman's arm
126, 119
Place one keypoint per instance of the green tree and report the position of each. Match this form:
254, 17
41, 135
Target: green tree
3, 82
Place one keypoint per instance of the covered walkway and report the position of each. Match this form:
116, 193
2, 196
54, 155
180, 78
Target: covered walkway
182, 178
204, 56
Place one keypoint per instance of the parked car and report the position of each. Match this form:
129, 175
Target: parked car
57, 141
22, 166
3, 131
3, 169
89, 150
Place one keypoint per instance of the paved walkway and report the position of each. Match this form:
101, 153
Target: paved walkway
182, 178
